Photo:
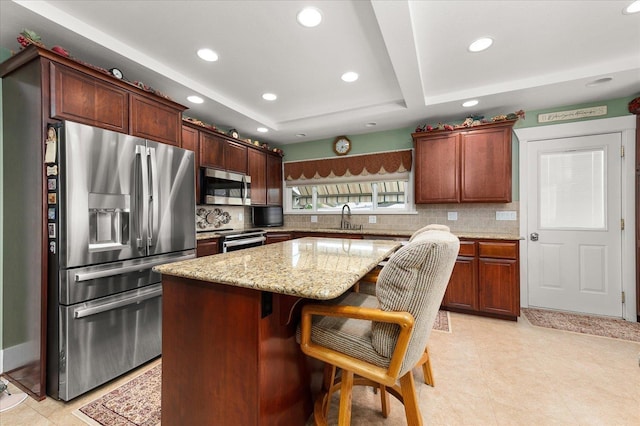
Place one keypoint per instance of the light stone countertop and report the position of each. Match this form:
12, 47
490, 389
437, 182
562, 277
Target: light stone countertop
313, 268
373, 232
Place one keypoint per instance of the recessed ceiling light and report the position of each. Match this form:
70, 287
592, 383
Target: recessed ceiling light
208, 55
349, 76
371, 124
470, 103
481, 44
301, 135
632, 8
262, 129
195, 99
309, 17
269, 97
599, 81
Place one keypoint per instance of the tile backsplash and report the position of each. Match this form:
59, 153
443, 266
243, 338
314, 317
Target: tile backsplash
211, 218
470, 218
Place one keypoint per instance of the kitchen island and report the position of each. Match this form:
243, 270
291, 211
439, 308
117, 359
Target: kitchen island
229, 353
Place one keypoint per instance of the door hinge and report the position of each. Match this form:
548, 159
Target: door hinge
622, 224
622, 151
623, 299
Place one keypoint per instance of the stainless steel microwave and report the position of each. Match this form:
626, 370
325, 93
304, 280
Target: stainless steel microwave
227, 188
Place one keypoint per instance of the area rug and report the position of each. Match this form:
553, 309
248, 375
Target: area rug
586, 324
442, 322
136, 403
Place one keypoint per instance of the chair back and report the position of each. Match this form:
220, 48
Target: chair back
414, 280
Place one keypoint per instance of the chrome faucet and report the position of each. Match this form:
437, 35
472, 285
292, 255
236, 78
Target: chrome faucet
344, 224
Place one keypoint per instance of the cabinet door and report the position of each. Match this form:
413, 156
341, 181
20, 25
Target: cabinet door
190, 141
486, 165
462, 290
274, 180
211, 151
498, 286
235, 157
208, 247
437, 169
257, 169
79, 97
155, 121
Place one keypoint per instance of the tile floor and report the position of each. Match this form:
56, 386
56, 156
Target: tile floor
487, 372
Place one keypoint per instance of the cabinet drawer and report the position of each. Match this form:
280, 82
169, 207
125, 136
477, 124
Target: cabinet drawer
502, 250
467, 248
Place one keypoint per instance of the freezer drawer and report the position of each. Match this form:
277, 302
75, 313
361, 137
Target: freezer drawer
91, 282
104, 338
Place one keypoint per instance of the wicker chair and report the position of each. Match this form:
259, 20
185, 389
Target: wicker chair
393, 336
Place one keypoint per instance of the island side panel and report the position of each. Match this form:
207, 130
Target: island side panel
284, 378
209, 353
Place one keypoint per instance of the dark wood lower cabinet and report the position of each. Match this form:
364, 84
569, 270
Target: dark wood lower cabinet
485, 279
208, 247
277, 237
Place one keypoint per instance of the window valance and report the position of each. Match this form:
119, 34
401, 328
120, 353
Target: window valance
353, 165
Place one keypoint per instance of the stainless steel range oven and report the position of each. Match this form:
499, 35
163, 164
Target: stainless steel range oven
242, 239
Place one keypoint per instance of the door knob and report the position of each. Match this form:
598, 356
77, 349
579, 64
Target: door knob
534, 236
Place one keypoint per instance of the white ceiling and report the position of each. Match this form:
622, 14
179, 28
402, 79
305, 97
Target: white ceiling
411, 56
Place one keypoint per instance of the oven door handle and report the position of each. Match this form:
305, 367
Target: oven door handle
243, 242
109, 306
86, 276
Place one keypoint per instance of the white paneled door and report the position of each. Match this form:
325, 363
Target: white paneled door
574, 223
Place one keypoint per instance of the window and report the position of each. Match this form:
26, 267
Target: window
380, 196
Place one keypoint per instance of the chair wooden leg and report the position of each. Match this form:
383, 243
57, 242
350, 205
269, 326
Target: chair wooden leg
426, 369
346, 388
384, 401
412, 412
328, 380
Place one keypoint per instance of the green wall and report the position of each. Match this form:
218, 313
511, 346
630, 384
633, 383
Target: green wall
391, 140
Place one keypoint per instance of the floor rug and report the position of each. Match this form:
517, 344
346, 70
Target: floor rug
136, 403
442, 322
586, 324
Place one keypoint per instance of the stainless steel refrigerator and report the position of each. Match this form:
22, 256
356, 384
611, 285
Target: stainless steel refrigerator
117, 206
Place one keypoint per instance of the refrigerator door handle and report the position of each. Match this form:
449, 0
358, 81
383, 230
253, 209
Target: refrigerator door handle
154, 199
142, 196
86, 276
109, 306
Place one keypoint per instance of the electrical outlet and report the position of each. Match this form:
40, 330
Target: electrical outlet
372, 219
240, 217
452, 215
506, 215
314, 219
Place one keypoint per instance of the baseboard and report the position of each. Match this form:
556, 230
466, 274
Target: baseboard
17, 356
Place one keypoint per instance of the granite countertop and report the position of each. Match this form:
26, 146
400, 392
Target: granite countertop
373, 232
313, 268
397, 233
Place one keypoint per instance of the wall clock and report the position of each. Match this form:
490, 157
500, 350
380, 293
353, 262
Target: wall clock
342, 145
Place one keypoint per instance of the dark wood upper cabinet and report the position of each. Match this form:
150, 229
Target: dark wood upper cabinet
155, 121
485, 171
471, 165
79, 97
219, 153
235, 157
211, 151
274, 180
437, 169
257, 168
190, 141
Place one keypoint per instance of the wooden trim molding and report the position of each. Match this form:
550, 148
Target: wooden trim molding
354, 165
